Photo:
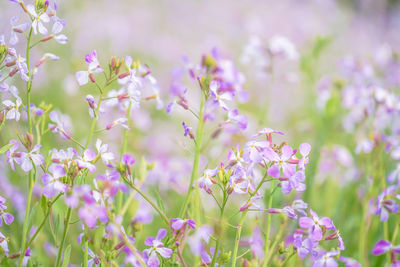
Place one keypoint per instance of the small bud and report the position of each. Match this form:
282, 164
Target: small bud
2, 116
48, 37
123, 75
91, 76
12, 73
113, 62
11, 63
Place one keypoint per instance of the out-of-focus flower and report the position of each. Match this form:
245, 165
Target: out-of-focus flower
13, 109
385, 206
178, 223
59, 124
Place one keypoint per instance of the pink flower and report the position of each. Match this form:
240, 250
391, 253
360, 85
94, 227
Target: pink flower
157, 248
94, 67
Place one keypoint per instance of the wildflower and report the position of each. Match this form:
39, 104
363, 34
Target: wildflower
383, 246
13, 109
315, 224
292, 180
207, 179
384, 206
91, 211
201, 235
327, 260
257, 243
281, 46
5, 216
121, 121
4, 243
280, 162
129, 78
123, 98
12, 155
255, 150
16, 29
94, 67
239, 182
179, 223
38, 20
236, 119
102, 152
59, 124
85, 161
45, 57
187, 130
51, 181
157, 247
22, 68
219, 98
32, 156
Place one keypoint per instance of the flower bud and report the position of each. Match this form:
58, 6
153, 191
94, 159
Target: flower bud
48, 37
12, 73
91, 76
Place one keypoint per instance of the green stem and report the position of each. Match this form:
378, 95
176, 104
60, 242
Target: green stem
85, 255
42, 223
218, 242
237, 238
268, 226
119, 197
31, 174
27, 213
193, 184
93, 125
66, 225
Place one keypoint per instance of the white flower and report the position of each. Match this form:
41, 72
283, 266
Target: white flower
38, 20
13, 109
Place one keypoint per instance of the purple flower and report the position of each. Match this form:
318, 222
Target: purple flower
121, 121
52, 182
16, 29
187, 130
128, 159
219, 98
236, 119
280, 162
32, 156
59, 124
349, 262
94, 67
179, 224
292, 180
5, 216
12, 155
207, 180
157, 247
91, 211
383, 246
257, 244
4, 243
384, 206
315, 224
85, 161
327, 260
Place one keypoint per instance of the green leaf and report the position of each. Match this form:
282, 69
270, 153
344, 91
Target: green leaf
5, 148
67, 254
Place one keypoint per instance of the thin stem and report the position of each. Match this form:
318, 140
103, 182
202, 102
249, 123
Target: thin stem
85, 255
42, 224
272, 190
27, 213
66, 225
239, 227
218, 242
93, 126
237, 238
31, 174
165, 218
198, 146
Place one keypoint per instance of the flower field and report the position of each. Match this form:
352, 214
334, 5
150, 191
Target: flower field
199, 133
